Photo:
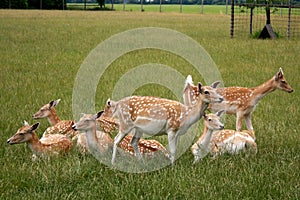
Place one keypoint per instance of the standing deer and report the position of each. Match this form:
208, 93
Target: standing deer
239, 100
155, 116
48, 145
96, 140
202, 147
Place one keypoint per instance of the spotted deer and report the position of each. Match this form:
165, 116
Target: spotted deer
57, 126
203, 146
47, 145
108, 125
156, 116
240, 101
98, 142
65, 126
88, 122
233, 142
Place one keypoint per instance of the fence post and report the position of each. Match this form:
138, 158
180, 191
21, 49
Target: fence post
232, 19
289, 21
160, 2
251, 19
226, 7
180, 6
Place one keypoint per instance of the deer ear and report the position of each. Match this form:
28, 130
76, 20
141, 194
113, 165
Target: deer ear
26, 123
204, 115
189, 80
99, 114
108, 102
220, 113
51, 103
200, 88
279, 75
215, 84
35, 126
56, 102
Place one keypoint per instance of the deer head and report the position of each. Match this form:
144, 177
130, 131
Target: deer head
212, 121
208, 94
109, 109
24, 134
281, 83
87, 121
45, 111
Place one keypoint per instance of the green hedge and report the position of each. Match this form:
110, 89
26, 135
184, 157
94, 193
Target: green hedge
33, 4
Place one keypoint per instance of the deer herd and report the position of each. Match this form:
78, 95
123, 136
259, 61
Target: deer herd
133, 116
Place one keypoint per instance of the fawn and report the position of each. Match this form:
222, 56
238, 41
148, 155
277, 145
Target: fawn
57, 126
202, 147
47, 145
233, 142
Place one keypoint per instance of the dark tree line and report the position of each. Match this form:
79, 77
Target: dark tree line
58, 4
33, 4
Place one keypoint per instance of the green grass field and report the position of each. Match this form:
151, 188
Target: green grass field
40, 55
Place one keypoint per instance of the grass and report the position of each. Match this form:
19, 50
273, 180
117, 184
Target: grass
40, 55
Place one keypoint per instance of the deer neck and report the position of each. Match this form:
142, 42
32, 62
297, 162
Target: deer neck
204, 140
53, 117
91, 136
35, 144
194, 113
264, 89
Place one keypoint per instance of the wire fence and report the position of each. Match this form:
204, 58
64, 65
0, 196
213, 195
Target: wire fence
250, 19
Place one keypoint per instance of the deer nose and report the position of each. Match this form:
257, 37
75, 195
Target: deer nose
291, 91
221, 99
221, 127
74, 127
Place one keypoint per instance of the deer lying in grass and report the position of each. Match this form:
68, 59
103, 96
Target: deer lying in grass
239, 100
57, 126
217, 142
156, 116
233, 142
108, 125
65, 126
48, 145
203, 146
100, 142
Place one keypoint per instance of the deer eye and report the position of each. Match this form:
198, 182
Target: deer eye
206, 92
283, 82
209, 120
21, 134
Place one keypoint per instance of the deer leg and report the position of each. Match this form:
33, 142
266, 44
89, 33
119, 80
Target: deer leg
172, 138
239, 118
134, 143
249, 122
117, 140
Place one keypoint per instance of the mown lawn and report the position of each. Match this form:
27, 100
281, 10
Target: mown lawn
40, 55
